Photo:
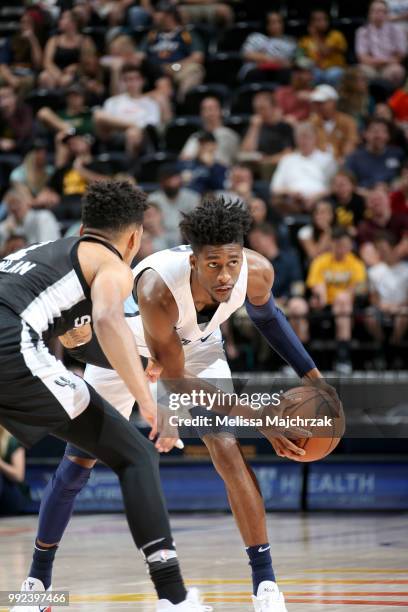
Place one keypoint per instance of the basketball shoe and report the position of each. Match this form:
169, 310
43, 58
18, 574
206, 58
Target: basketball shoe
192, 603
34, 585
269, 598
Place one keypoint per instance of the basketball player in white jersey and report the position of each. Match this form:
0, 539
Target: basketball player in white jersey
182, 296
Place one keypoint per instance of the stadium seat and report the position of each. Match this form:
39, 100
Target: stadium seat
351, 9
191, 104
149, 166
98, 34
204, 32
238, 123
44, 97
242, 99
232, 39
178, 131
223, 68
8, 28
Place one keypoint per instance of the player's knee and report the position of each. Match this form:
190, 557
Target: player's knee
70, 478
85, 463
226, 455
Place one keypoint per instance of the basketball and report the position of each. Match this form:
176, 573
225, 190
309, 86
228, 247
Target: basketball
316, 404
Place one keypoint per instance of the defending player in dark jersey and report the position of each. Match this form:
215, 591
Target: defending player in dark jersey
48, 289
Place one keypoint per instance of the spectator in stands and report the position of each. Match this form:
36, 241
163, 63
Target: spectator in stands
388, 290
258, 210
397, 135
212, 121
354, 95
173, 199
124, 117
399, 197
336, 131
349, 206
91, 77
288, 284
34, 225
207, 11
294, 99
22, 56
171, 50
380, 219
288, 271
121, 52
335, 279
325, 47
376, 161
316, 237
268, 138
154, 226
381, 46
15, 242
14, 493
270, 55
76, 168
35, 171
303, 177
204, 174
63, 51
16, 122
75, 117
239, 184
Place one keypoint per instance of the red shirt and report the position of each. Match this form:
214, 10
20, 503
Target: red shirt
291, 103
397, 225
399, 203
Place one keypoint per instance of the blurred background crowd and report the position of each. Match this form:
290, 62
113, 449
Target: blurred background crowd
300, 111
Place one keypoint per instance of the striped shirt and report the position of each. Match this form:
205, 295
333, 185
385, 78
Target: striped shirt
381, 43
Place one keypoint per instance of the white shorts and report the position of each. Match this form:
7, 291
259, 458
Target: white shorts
205, 360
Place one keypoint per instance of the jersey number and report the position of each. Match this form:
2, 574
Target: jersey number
80, 321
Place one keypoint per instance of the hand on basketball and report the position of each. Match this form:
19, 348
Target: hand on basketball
285, 447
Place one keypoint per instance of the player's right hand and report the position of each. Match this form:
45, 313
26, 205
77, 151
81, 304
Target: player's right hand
285, 447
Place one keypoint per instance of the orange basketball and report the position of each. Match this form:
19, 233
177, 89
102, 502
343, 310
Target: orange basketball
315, 403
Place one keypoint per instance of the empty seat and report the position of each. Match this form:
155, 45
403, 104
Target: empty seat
44, 97
149, 166
232, 39
223, 68
178, 131
238, 123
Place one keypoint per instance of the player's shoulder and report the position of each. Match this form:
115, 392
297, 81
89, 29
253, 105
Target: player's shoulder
259, 268
152, 290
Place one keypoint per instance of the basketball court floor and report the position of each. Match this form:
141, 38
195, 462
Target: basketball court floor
332, 562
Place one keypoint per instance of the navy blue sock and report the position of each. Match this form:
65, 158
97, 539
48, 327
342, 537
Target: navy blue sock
41, 567
260, 561
56, 508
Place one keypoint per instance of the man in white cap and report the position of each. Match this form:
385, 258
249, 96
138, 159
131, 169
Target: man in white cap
336, 131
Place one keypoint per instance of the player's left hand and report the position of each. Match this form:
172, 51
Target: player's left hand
285, 447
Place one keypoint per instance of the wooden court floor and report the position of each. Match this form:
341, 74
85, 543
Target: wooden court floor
327, 562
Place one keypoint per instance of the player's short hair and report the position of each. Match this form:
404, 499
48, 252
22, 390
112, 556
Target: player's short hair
216, 222
113, 205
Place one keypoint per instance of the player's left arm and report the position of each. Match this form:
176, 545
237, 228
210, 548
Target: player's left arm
270, 320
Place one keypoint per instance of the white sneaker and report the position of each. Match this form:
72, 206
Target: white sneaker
269, 598
192, 603
35, 585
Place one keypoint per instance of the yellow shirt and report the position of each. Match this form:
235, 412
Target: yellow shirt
336, 275
336, 57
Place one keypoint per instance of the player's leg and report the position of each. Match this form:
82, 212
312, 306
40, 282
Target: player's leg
244, 495
38, 395
71, 476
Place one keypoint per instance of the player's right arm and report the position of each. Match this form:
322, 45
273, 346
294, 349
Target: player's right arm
159, 314
111, 285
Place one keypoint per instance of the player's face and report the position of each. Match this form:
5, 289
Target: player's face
218, 269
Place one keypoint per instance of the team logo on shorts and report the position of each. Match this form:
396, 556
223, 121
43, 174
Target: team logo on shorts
65, 382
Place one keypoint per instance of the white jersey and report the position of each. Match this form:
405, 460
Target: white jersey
202, 343
173, 265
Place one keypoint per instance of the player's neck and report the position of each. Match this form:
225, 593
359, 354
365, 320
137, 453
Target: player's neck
201, 297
